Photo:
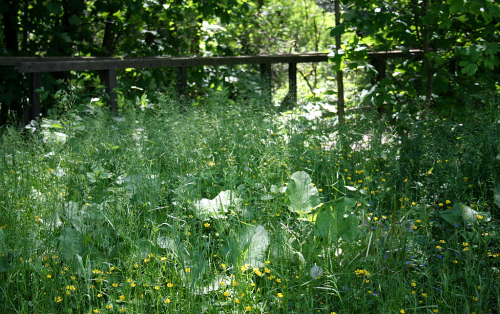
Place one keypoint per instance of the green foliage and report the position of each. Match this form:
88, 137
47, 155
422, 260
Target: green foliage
461, 213
247, 246
216, 208
138, 28
459, 41
137, 212
335, 220
302, 196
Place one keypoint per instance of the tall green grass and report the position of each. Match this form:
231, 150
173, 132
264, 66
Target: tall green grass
110, 214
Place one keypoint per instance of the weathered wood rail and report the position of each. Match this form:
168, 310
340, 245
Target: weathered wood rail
34, 66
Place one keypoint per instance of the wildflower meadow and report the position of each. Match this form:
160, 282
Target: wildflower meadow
234, 207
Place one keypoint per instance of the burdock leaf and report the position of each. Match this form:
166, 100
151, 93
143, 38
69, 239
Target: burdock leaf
302, 195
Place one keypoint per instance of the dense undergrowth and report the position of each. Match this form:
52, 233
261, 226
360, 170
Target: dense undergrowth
233, 207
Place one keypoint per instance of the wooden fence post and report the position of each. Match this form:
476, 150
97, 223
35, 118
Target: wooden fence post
292, 83
181, 80
265, 74
380, 64
34, 97
110, 81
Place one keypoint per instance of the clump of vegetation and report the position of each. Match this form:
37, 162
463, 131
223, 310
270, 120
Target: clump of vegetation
232, 207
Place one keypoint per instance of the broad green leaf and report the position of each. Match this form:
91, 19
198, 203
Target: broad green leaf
55, 7
75, 20
3, 247
73, 215
335, 220
247, 245
66, 37
302, 195
337, 30
463, 213
216, 207
70, 243
254, 240
143, 247
4, 253
496, 192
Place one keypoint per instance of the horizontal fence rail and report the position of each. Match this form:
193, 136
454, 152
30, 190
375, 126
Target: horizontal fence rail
34, 66
162, 62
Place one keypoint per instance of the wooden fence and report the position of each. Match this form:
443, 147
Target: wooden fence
34, 66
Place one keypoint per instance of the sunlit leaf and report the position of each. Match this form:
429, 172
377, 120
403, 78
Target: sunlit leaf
302, 195
217, 207
70, 243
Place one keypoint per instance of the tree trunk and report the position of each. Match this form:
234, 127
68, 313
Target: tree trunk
11, 26
429, 68
339, 75
11, 43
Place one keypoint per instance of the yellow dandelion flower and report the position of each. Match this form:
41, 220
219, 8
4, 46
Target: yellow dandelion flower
58, 299
157, 288
109, 306
248, 308
280, 295
170, 285
207, 224
188, 270
480, 217
96, 311
114, 284
122, 297
167, 300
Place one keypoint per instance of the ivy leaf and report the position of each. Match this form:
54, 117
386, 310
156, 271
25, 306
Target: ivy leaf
468, 67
